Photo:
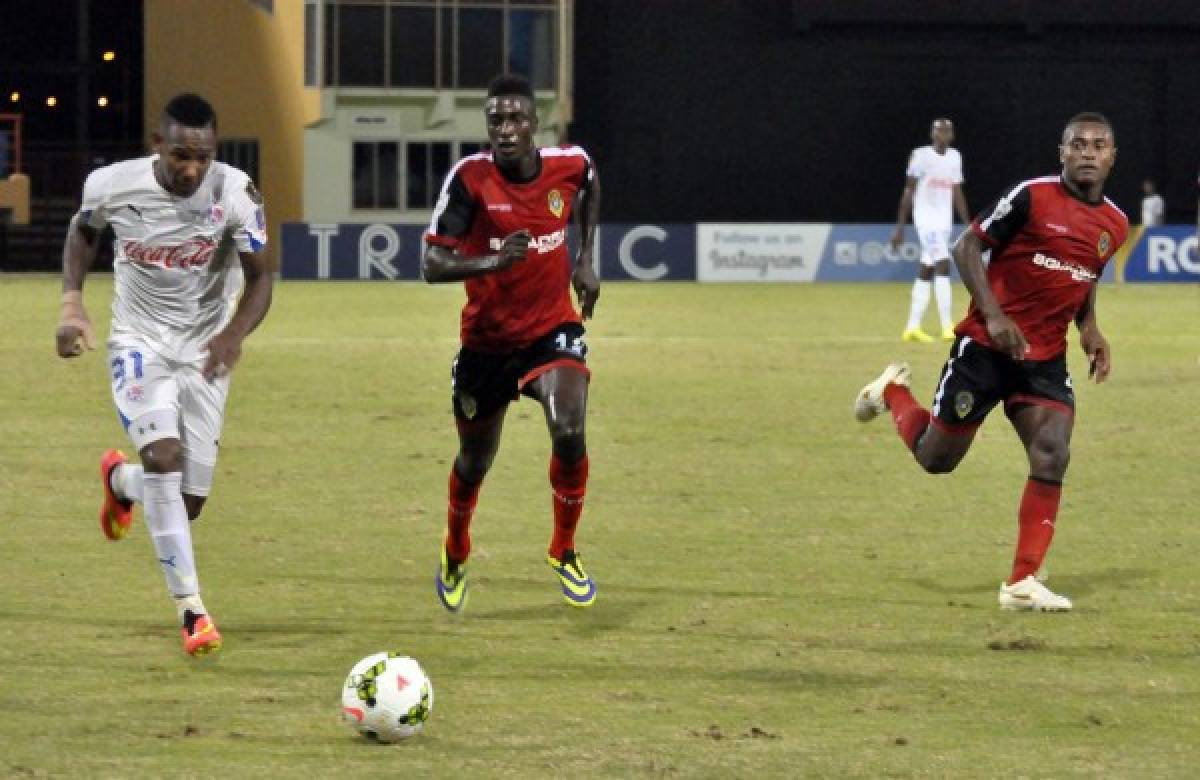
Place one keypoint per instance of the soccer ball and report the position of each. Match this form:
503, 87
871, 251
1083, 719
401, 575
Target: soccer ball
387, 697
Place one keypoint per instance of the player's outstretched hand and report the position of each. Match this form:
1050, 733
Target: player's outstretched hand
1007, 337
224, 349
514, 248
74, 333
1098, 352
587, 286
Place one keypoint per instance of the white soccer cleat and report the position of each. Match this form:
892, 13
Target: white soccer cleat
1029, 594
869, 404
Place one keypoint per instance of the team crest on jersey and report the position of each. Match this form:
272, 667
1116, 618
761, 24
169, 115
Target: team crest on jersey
1104, 244
216, 214
555, 201
964, 402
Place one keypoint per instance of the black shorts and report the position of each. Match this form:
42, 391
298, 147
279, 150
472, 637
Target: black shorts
976, 378
485, 382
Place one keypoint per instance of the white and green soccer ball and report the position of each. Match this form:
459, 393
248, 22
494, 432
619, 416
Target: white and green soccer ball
387, 697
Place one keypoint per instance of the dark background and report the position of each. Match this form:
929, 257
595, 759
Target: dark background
807, 110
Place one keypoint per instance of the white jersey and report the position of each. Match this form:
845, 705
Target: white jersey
936, 175
177, 273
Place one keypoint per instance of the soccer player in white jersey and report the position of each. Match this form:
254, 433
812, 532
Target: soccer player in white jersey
933, 186
190, 234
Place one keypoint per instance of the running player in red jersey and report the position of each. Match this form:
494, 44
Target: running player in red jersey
1050, 239
500, 226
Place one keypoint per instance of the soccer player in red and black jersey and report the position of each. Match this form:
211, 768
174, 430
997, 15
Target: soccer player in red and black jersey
500, 226
1049, 239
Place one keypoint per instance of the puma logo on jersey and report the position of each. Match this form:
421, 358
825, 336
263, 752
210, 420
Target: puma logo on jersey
1077, 272
543, 244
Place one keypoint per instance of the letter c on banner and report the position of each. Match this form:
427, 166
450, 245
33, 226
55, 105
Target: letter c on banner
378, 257
625, 253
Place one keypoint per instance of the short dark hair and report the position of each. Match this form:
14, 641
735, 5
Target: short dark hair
510, 84
189, 110
1090, 117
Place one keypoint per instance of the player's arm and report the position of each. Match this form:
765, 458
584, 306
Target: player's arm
452, 218
1092, 340
225, 348
583, 278
960, 205
902, 214
443, 264
74, 332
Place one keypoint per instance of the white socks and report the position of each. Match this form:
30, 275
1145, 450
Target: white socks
167, 520
193, 604
126, 481
945, 298
920, 300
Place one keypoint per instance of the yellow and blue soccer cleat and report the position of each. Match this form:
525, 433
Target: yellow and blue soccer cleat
451, 583
579, 590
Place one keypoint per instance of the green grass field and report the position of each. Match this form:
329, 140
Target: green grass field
782, 592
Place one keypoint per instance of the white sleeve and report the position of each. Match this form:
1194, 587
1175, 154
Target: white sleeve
914, 164
247, 222
958, 174
93, 211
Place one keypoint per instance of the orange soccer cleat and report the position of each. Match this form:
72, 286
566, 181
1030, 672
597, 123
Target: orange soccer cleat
202, 638
115, 515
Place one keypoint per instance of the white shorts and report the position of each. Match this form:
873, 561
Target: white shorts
935, 245
158, 398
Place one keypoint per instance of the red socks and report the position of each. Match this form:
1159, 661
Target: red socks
911, 420
460, 508
1039, 508
568, 483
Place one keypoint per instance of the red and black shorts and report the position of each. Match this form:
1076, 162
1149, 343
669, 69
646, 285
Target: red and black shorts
976, 378
485, 382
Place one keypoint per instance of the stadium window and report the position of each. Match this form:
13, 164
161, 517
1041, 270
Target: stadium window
428, 43
240, 153
480, 45
412, 47
376, 171
531, 45
361, 36
466, 148
427, 163
312, 37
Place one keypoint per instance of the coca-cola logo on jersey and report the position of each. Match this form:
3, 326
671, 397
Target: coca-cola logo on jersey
194, 253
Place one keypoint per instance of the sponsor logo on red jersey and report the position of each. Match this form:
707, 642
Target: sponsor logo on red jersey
543, 244
1077, 272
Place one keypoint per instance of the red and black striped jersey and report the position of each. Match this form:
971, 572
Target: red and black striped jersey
1048, 247
477, 208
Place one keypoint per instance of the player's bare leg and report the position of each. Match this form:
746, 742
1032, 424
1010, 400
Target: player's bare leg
937, 448
1045, 430
563, 392
478, 442
169, 523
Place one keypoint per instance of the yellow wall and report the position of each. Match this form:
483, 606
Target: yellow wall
250, 65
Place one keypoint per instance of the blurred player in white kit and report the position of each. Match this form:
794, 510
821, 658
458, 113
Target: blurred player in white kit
932, 192
190, 234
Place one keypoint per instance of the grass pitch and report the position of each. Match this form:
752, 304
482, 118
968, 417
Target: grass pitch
782, 592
